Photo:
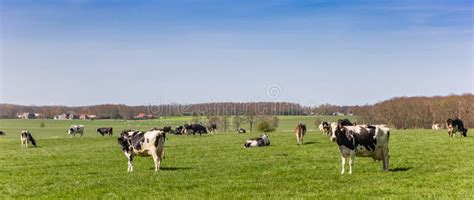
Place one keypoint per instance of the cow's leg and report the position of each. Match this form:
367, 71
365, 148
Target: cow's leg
130, 163
351, 161
157, 160
343, 159
385, 160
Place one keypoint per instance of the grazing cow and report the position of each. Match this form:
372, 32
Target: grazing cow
166, 129
365, 142
300, 131
105, 131
137, 143
25, 138
456, 125
3, 133
326, 128
435, 127
179, 130
258, 142
241, 130
212, 128
194, 128
76, 129
344, 122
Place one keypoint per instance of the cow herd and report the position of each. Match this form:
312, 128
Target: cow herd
352, 139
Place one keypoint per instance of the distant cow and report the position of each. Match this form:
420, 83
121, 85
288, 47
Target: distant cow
300, 131
258, 142
105, 131
321, 127
3, 133
344, 122
456, 125
241, 130
76, 129
212, 128
179, 130
166, 129
136, 143
194, 128
25, 138
360, 141
326, 128
435, 127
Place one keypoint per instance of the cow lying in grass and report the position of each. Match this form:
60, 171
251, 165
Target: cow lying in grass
25, 138
144, 144
241, 130
258, 142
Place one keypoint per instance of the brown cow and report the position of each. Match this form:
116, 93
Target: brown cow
300, 131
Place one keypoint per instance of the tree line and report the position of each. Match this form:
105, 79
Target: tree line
120, 111
418, 112
399, 112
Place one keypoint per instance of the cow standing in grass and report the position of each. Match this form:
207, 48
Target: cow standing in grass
105, 131
76, 129
369, 141
326, 128
212, 128
25, 138
3, 133
456, 125
137, 143
435, 127
300, 131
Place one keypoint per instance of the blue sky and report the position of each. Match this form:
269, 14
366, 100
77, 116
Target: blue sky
79, 52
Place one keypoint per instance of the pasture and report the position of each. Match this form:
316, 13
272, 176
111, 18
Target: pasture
423, 164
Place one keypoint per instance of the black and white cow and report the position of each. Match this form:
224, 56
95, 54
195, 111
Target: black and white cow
370, 141
76, 129
212, 128
325, 128
3, 133
456, 125
258, 142
241, 130
105, 131
179, 130
137, 143
26, 137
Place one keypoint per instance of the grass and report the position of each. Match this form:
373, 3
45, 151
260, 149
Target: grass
424, 165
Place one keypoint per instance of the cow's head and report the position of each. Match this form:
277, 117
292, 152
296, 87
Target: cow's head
124, 143
336, 131
265, 138
70, 131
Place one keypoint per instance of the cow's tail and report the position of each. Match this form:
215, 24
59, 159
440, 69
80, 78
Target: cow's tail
32, 140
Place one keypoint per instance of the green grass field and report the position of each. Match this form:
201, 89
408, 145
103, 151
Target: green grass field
424, 164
